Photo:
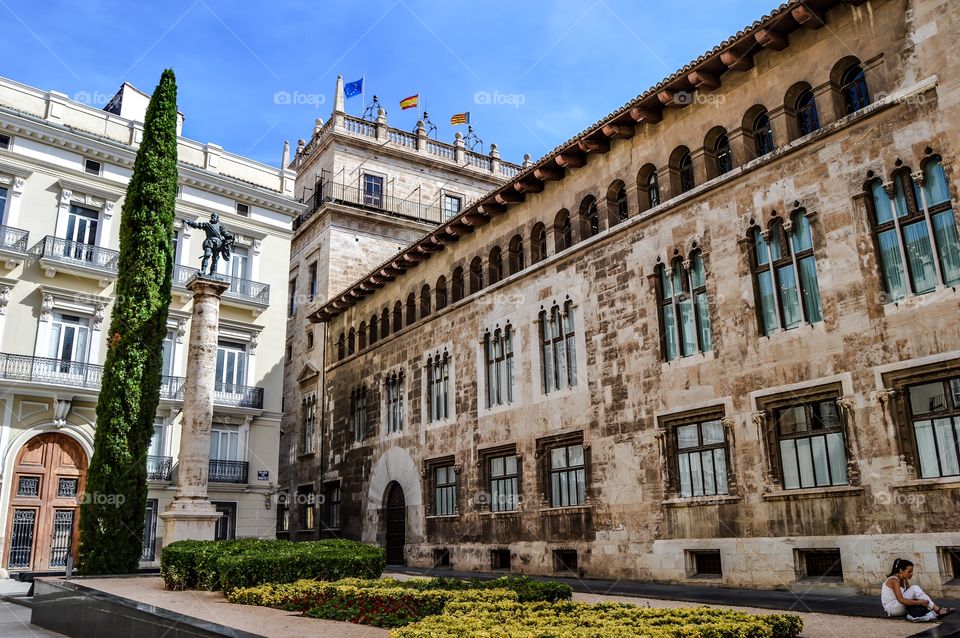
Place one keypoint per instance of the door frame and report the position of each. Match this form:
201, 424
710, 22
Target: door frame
391, 487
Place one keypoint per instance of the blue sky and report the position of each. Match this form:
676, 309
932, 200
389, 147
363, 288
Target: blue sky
532, 74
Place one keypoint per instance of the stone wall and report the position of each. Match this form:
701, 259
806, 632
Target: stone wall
633, 524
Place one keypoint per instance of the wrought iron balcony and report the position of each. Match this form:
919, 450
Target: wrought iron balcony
356, 196
245, 291
159, 468
75, 257
13, 243
75, 374
221, 471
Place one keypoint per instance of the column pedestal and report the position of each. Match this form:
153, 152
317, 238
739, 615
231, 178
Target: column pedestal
191, 515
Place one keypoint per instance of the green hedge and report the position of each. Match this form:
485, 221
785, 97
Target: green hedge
507, 619
244, 563
527, 589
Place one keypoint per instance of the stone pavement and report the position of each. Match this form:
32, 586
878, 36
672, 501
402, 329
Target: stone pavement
794, 601
14, 618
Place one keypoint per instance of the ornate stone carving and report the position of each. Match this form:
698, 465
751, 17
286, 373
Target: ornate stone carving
108, 210
98, 313
889, 188
65, 197
61, 408
181, 329
918, 177
4, 298
18, 184
254, 342
257, 244
884, 395
46, 307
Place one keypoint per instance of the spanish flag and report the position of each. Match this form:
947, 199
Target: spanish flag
460, 118
410, 102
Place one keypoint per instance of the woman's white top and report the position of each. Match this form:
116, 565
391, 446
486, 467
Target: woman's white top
888, 597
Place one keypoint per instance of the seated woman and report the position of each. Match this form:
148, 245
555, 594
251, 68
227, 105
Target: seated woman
899, 598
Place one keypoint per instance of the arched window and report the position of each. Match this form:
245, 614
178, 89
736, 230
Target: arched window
395, 405
438, 387
362, 335
352, 341
589, 217
476, 275
559, 347
495, 266
686, 173
457, 285
902, 219
515, 257
341, 347
617, 210
498, 353
411, 308
763, 134
853, 88
562, 230
397, 317
785, 275
808, 120
441, 292
653, 190
721, 152
425, 301
538, 243
685, 327
374, 330
385, 323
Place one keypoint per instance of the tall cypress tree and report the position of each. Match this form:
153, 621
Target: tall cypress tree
114, 504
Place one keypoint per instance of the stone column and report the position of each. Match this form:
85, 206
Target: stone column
190, 515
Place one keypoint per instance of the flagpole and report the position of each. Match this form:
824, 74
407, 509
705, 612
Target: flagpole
363, 95
419, 107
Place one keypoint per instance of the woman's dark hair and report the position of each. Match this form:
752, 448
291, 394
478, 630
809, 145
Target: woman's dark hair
899, 565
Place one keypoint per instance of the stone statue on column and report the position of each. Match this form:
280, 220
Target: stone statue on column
218, 243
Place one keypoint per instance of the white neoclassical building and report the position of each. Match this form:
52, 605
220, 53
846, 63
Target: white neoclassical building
64, 168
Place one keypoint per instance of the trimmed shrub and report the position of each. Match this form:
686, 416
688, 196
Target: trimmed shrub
249, 562
527, 589
604, 620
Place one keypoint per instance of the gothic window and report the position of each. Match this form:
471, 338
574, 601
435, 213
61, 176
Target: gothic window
653, 190
684, 307
617, 208
904, 223
394, 397
558, 344
438, 387
853, 88
785, 275
498, 354
358, 412
567, 475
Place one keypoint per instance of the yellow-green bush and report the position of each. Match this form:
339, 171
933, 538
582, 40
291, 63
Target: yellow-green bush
603, 620
363, 601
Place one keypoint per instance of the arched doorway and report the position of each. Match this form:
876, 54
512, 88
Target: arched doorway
48, 479
396, 524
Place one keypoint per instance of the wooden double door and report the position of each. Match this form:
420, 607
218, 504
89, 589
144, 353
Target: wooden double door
48, 482
396, 518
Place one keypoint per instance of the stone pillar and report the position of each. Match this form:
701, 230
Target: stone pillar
190, 515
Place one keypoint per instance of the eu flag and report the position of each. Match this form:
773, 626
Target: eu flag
353, 88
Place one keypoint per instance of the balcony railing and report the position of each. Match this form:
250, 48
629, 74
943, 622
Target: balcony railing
159, 468
242, 289
57, 249
75, 374
221, 471
353, 195
13, 239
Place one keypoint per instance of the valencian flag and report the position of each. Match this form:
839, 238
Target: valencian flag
410, 102
350, 89
460, 118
